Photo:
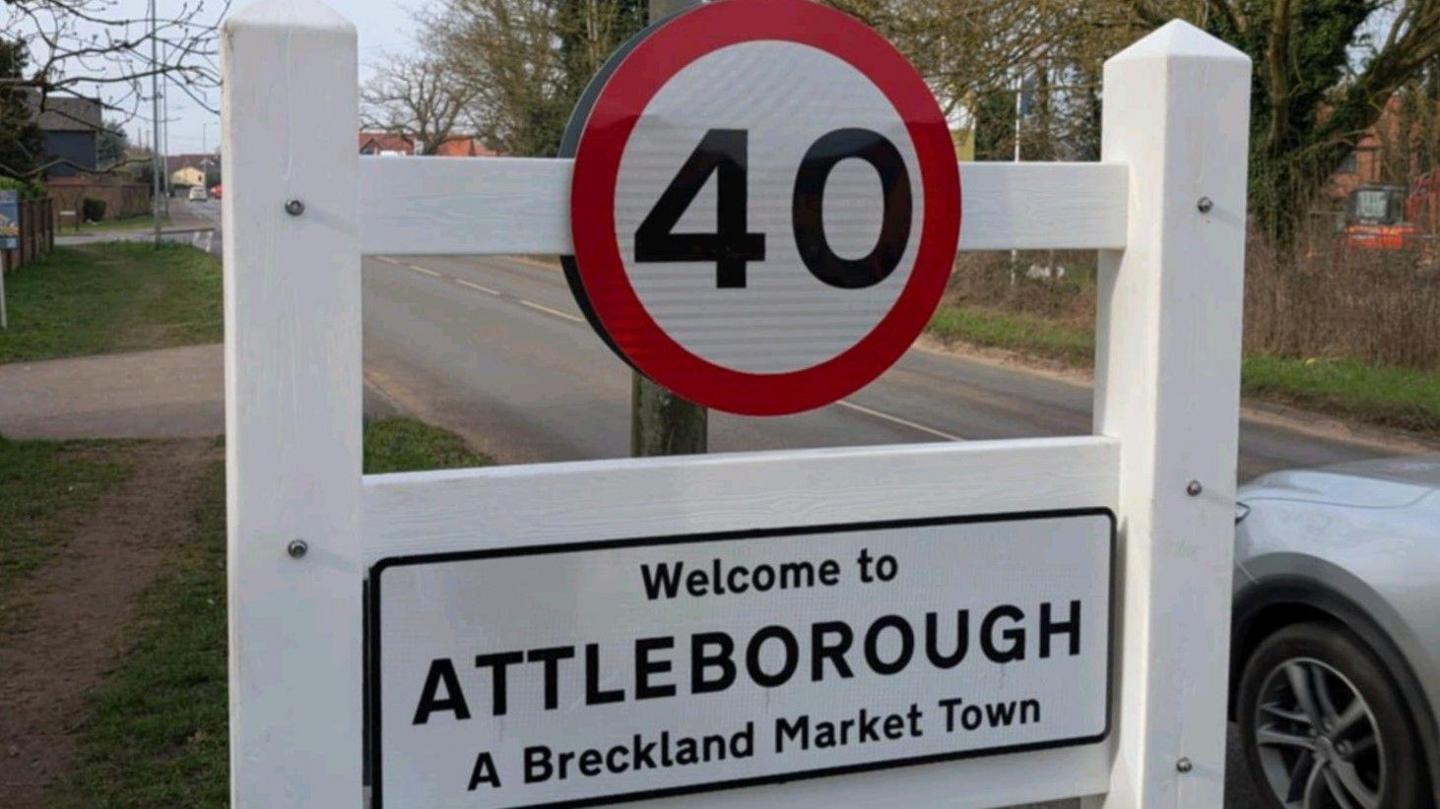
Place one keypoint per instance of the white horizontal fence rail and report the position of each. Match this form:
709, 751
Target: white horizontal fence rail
540, 504
496, 205
474, 509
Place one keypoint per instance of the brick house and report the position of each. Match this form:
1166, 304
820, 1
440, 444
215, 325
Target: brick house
384, 143
1377, 146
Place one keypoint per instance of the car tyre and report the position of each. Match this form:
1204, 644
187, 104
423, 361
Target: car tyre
1323, 726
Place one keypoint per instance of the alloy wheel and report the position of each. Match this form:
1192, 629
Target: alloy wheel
1318, 741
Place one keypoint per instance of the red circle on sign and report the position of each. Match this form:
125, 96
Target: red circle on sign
611, 300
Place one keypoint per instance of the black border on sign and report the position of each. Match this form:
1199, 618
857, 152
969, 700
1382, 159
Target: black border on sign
372, 645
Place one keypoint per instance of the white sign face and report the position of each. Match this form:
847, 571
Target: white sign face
619, 670
765, 204
781, 99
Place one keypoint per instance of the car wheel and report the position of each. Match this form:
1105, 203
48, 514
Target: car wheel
1323, 726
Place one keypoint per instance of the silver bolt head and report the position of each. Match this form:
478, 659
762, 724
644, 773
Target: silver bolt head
1193, 488
297, 548
294, 207
1184, 765
1343, 748
1205, 205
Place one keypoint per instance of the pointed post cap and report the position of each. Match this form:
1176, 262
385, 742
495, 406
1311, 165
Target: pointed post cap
311, 14
1178, 39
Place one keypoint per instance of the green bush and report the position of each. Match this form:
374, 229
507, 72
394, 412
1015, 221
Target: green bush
28, 190
93, 210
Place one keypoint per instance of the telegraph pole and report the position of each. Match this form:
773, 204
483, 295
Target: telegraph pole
155, 167
662, 423
165, 136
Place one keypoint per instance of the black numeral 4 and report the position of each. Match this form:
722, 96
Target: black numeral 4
721, 152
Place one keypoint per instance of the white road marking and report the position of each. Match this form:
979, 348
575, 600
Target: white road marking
547, 310
533, 263
389, 260
425, 270
487, 290
897, 420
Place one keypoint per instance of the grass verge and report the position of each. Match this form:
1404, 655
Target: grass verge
1389, 397
1392, 397
123, 223
1027, 334
157, 730
42, 485
110, 297
406, 445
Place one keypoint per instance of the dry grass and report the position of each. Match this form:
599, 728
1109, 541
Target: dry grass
1327, 302
1376, 307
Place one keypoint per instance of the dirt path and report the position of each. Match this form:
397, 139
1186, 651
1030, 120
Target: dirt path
72, 612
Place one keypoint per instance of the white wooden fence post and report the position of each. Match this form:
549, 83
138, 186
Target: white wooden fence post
1167, 384
292, 406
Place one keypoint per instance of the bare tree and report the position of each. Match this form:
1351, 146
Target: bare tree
90, 48
525, 62
415, 98
964, 48
1325, 71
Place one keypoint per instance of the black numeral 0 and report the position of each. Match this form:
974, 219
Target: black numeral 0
808, 201
724, 152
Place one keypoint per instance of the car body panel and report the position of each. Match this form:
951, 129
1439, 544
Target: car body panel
1364, 534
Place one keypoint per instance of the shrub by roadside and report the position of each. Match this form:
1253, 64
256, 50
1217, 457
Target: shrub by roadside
112, 297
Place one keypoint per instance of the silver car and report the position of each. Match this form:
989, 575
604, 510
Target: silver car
1335, 673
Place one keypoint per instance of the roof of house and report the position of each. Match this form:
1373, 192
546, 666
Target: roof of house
458, 146
464, 147
202, 161
69, 113
375, 142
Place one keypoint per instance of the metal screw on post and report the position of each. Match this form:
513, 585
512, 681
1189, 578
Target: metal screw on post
1205, 205
662, 423
294, 207
1193, 488
1184, 765
297, 548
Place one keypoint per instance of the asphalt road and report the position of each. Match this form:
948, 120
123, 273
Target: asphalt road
496, 349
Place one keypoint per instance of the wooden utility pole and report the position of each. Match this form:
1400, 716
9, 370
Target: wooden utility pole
662, 423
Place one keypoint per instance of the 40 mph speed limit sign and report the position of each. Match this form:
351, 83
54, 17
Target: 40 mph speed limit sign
765, 205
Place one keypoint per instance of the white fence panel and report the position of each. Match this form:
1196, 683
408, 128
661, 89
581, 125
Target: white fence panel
442, 206
1167, 205
435, 512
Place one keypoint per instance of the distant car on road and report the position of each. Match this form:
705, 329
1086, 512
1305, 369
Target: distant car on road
197, 193
215, 191
1335, 655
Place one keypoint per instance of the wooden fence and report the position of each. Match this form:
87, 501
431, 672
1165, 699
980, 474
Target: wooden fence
37, 233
